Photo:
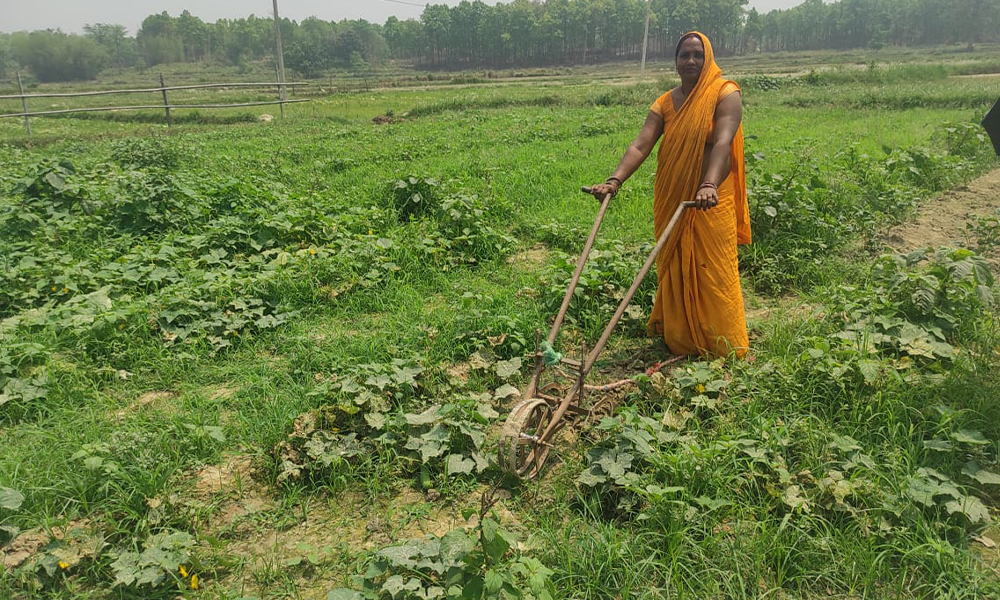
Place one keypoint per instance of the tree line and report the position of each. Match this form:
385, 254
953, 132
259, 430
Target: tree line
520, 33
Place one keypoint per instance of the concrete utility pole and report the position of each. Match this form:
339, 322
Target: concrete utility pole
281, 57
645, 40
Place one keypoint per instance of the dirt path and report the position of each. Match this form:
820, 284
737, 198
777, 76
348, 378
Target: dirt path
942, 221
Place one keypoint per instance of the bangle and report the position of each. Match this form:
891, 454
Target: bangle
706, 184
613, 178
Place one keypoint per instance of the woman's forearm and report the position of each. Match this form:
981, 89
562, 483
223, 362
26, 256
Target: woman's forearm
718, 165
630, 162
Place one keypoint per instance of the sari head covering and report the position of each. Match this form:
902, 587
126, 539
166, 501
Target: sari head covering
688, 134
699, 302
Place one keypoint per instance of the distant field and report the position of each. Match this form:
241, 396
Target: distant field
246, 359
936, 62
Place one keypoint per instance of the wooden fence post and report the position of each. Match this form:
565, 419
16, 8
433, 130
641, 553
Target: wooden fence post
24, 103
281, 90
281, 59
166, 105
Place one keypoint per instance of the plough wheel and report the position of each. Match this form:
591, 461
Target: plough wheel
522, 453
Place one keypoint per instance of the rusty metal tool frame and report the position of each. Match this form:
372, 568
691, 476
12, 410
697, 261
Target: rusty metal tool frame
533, 422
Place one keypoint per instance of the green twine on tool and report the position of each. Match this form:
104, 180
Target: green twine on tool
549, 354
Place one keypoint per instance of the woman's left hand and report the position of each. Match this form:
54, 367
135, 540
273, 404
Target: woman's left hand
706, 198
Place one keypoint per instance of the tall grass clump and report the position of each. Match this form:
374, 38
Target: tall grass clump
874, 74
814, 208
461, 105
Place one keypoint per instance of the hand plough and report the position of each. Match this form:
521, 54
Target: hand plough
533, 422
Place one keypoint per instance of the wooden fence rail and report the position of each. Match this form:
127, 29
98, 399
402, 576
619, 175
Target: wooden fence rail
162, 89
151, 90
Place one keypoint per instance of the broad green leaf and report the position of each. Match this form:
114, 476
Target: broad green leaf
431, 444
479, 362
505, 391
493, 581
482, 462
406, 374
455, 546
793, 498
508, 368
922, 491
965, 436
474, 433
590, 479
427, 417
394, 585
344, 594
433, 591
56, 180
870, 370
938, 445
456, 463
473, 589
711, 503
10, 499
487, 412
215, 433
970, 506
845, 443
126, 567
932, 473
100, 299
489, 527
376, 420
615, 463
403, 555
10, 532
380, 380
657, 491
438, 433
975, 471
494, 545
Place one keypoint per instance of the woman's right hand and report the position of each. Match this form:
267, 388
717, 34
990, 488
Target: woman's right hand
601, 190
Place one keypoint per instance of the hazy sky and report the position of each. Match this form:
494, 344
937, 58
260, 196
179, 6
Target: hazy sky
71, 15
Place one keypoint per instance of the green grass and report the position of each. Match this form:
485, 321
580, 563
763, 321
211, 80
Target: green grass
303, 218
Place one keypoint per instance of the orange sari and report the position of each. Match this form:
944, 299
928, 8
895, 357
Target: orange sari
699, 302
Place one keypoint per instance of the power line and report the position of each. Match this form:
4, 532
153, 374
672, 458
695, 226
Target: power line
404, 2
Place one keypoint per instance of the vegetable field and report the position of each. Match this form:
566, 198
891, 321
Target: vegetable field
250, 359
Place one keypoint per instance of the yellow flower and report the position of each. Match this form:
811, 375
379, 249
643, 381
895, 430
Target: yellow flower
699, 388
53, 288
65, 290
63, 565
121, 326
183, 571
370, 232
194, 581
312, 251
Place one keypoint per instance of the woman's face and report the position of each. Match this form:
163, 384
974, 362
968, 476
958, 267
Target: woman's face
691, 59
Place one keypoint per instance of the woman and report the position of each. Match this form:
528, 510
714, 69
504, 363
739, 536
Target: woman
699, 303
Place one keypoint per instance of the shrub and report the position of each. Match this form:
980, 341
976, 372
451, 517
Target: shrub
56, 56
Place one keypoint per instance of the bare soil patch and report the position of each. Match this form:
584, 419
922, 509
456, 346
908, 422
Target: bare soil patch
215, 392
531, 259
340, 529
232, 474
147, 400
78, 542
942, 221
